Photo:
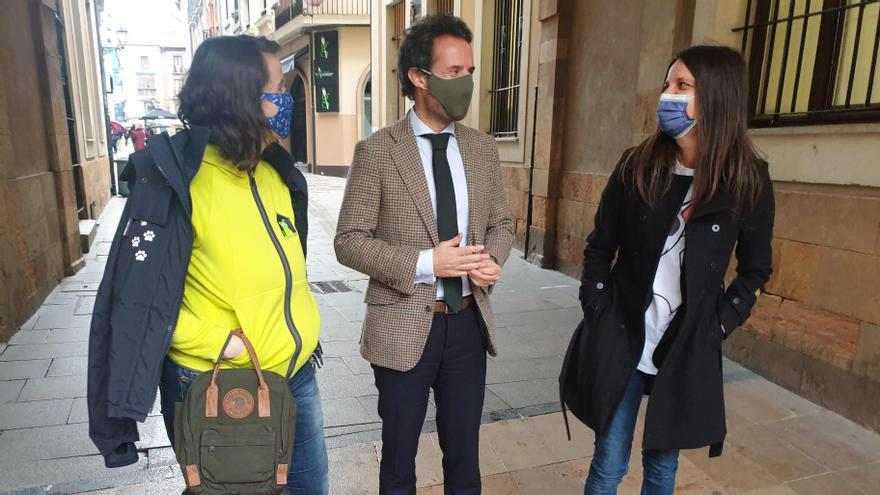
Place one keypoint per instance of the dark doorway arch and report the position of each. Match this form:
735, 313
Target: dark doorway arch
298, 129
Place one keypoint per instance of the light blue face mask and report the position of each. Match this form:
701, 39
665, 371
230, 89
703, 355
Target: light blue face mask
280, 122
672, 115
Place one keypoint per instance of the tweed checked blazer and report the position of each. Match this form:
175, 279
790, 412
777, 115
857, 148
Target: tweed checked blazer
387, 219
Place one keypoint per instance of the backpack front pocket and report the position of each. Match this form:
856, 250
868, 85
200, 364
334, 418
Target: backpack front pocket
243, 454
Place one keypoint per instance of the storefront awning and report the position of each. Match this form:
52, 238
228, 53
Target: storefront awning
288, 62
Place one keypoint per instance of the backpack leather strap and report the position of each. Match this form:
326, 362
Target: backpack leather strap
212, 399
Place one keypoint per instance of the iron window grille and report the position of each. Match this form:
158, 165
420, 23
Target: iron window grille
812, 61
446, 7
506, 68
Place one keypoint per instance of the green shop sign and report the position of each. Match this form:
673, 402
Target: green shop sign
326, 76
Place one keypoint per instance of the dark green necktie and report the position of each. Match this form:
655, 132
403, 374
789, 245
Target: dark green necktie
447, 213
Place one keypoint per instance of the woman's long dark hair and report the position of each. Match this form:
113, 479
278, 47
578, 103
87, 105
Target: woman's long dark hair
222, 92
726, 157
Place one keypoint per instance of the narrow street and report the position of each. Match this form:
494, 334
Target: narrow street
778, 443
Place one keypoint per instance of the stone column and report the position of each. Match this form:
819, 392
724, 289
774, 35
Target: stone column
56, 132
552, 68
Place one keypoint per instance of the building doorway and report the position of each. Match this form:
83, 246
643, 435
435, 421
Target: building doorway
298, 126
367, 109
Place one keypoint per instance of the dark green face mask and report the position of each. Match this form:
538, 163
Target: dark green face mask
453, 93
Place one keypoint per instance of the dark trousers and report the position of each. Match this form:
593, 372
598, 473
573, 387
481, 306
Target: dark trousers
454, 365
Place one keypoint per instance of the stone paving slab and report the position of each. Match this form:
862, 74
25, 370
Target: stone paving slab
31, 337
79, 411
357, 365
50, 442
10, 389
67, 335
64, 366
30, 352
17, 370
54, 387
62, 321
14, 415
527, 393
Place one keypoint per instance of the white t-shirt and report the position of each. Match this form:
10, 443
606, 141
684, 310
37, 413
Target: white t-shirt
666, 297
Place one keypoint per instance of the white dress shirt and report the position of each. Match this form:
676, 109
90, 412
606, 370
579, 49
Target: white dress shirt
425, 266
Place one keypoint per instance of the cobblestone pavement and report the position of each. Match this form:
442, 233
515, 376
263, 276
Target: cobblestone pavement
779, 443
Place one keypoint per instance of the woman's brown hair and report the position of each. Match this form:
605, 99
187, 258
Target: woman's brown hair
726, 157
222, 92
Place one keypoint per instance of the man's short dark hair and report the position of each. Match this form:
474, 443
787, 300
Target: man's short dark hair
418, 45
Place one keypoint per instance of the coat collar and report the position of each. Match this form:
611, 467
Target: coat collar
179, 158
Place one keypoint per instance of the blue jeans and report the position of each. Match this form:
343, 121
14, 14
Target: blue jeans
308, 468
611, 457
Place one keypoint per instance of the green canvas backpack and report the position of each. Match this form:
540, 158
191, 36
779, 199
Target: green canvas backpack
233, 432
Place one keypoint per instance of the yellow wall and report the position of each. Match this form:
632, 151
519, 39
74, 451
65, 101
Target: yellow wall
870, 25
337, 133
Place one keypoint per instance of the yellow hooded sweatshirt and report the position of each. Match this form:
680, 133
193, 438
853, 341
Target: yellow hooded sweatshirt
246, 256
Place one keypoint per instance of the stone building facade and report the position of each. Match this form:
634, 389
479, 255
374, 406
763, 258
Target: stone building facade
54, 170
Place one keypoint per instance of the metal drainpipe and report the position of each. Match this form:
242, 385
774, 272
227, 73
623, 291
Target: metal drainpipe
313, 167
107, 131
531, 174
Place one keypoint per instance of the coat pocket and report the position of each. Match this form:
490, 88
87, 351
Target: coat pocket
596, 307
379, 296
238, 455
151, 203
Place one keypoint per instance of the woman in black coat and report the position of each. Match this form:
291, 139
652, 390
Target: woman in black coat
654, 323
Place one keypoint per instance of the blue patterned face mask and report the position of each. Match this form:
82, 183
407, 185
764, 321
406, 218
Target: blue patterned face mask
280, 122
672, 115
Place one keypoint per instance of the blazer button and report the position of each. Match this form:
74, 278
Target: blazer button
644, 217
600, 286
712, 266
428, 309
623, 326
735, 300
716, 228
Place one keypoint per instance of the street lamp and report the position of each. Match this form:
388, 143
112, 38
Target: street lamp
121, 36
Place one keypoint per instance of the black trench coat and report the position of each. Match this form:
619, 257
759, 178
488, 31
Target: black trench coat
686, 406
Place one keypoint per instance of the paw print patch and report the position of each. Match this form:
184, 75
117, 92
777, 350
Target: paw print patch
136, 242
140, 255
149, 236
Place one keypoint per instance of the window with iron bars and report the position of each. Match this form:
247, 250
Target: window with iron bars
507, 52
812, 61
445, 7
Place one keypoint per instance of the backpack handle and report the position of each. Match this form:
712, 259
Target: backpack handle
212, 399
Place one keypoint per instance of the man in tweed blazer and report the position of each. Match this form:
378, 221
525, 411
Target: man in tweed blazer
429, 323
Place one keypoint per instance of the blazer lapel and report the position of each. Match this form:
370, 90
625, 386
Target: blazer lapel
409, 163
466, 148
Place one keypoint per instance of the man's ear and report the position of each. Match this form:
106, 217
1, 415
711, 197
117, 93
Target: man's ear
418, 78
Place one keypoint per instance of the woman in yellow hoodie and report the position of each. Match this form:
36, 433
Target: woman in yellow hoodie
247, 269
